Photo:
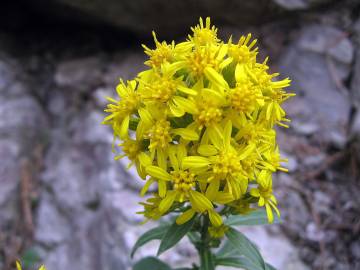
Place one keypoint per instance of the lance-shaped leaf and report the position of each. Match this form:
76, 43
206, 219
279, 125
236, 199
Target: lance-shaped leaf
245, 247
153, 234
174, 234
257, 217
151, 263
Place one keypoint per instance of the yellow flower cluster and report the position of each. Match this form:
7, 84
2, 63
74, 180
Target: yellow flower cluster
199, 124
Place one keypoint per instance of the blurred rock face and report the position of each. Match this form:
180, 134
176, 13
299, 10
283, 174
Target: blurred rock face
171, 18
20, 131
318, 62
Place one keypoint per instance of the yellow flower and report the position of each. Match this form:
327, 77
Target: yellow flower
204, 34
182, 184
18, 266
164, 53
162, 89
121, 110
220, 161
265, 195
198, 124
151, 208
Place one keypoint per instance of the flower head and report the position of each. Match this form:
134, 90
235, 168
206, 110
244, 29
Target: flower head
199, 126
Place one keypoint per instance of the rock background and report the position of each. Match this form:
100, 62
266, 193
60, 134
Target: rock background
66, 202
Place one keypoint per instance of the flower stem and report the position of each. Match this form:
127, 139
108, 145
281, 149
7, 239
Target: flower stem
205, 255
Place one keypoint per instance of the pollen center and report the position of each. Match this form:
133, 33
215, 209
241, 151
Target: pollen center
131, 149
205, 36
208, 115
183, 180
243, 98
226, 163
163, 53
159, 134
161, 89
199, 59
241, 54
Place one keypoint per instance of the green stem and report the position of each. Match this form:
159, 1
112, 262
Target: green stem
205, 255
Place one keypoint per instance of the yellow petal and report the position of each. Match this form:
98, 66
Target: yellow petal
145, 117
207, 150
187, 134
240, 73
227, 133
18, 265
216, 136
158, 173
144, 159
162, 188
173, 160
187, 90
224, 198
195, 162
255, 192
269, 213
218, 97
176, 110
167, 202
247, 151
146, 187
42, 267
185, 217
199, 202
124, 128
215, 218
215, 78
212, 189
161, 159
185, 104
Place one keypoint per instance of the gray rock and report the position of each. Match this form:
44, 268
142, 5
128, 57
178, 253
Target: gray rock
355, 127
53, 229
355, 249
299, 4
355, 82
313, 233
317, 63
82, 74
86, 205
22, 128
314, 160
9, 180
322, 202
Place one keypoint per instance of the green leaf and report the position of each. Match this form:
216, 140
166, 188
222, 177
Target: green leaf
245, 247
227, 250
257, 217
194, 237
174, 234
206, 260
153, 234
151, 263
238, 262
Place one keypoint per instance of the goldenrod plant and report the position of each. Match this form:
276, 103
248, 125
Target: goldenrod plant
199, 126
